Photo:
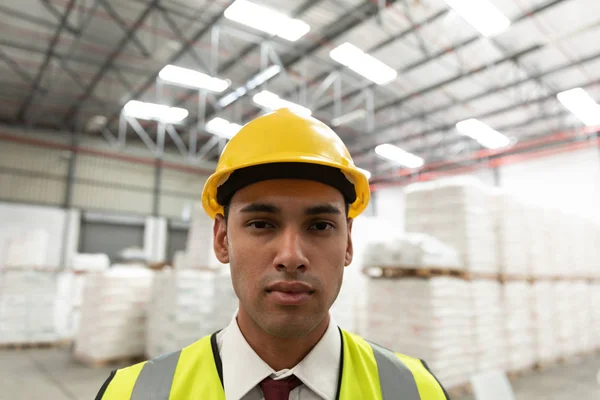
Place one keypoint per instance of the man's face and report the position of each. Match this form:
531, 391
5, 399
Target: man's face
287, 242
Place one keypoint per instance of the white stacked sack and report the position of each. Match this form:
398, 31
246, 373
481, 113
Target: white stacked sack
519, 325
594, 307
187, 305
582, 318
544, 299
457, 211
429, 319
83, 262
513, 235
411, 250
113, 314
199, 249
542, 226
26, 250
31, 306
488, 325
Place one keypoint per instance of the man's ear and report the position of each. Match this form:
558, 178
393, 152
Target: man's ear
220, 244
350, 246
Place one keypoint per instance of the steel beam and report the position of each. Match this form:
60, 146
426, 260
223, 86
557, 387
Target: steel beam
139, 129
177, 140
49, 53
109, 62
563, 67
17, 69
445, 51
181, 38
78, 59
56, 13
115, 16
183, 50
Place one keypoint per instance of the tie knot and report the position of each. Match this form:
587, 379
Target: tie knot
279, 389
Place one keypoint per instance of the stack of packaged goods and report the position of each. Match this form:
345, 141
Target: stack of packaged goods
488, 325
581, 317
429, 319
113, 314
561, 242
513, 235
80, 265
565, 320
539, 260
199, 249
594, 306
458, 212
26, 250
519, 329
32, 304
187, 305
545, 321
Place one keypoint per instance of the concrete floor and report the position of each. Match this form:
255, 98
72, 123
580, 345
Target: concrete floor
51, 374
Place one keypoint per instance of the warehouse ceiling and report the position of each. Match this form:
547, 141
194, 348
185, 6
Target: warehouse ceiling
74, 64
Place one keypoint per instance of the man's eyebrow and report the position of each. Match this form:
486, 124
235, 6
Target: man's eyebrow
261, 207
322, 209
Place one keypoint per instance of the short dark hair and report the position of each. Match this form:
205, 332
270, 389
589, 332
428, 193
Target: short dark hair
226, 210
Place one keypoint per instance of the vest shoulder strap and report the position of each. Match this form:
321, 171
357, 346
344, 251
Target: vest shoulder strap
399, 376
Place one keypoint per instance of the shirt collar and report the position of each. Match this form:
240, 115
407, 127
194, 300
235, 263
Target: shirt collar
243, 369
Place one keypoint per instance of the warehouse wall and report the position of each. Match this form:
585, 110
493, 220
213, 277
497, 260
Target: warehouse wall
570, 181
32, 175
38, 175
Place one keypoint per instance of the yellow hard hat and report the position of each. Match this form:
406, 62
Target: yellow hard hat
285, 137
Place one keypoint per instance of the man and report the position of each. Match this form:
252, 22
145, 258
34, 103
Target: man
283, 197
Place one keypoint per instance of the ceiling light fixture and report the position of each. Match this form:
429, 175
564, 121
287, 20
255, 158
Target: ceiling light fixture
266, 20
581, 104
192, 79
273, 102
399, 156
363, 64
482, 133
154, 112
223, 128
482, 15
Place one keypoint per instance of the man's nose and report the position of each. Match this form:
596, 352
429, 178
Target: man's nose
290, 254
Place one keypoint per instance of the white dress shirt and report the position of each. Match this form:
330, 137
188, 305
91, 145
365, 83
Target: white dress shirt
243, 369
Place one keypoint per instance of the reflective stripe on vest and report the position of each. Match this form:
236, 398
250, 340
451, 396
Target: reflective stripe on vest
156, 378
395, 379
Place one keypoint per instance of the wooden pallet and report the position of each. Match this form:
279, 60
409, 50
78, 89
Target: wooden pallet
502, 277
409, 272
109, 362
35, 345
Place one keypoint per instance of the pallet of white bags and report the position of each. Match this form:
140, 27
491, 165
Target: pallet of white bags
34, 345
412, 272
460, 390
91, 362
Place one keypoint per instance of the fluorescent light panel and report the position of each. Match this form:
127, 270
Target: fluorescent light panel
223, 128
399, 156
156, 112
193, 79
271, 101
363, 64
481, 15
349, 117
482, 133
580, 103
266, 20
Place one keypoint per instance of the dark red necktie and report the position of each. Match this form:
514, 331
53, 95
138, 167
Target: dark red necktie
279, 389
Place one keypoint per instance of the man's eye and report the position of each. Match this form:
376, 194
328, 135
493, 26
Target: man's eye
260, 225
321, 226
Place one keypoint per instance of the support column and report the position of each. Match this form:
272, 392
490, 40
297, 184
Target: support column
157, 187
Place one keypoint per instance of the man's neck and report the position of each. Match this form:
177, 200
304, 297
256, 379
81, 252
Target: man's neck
279, 353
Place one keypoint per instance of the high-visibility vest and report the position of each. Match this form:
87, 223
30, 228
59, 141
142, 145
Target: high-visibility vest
368, 371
